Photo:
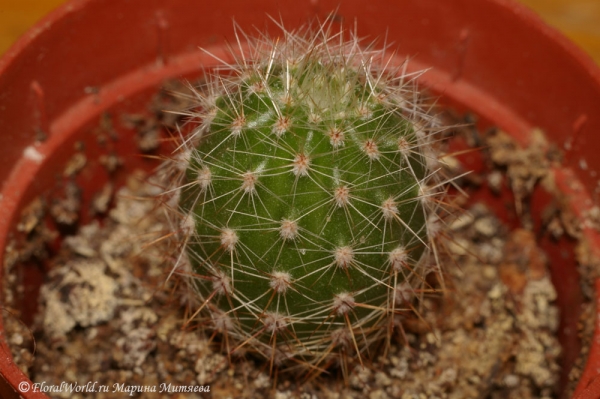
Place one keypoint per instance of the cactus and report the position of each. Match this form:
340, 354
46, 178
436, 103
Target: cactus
304, 198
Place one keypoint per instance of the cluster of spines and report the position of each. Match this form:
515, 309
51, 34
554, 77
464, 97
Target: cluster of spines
252, 133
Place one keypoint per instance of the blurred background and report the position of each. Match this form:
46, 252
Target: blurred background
577, 19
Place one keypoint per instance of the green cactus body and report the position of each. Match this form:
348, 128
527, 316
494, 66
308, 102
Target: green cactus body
302, 203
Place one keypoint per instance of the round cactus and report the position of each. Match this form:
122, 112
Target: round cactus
304, 197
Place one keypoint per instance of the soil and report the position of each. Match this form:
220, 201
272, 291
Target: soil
109, 316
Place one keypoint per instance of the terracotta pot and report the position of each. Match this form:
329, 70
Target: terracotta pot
492, 57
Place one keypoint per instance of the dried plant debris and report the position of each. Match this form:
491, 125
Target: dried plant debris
75, 165
166, 112
111, 162
102, 199
65, 209
525, 167
105, 317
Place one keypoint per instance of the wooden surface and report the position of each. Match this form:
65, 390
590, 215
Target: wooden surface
578, 19
16, 16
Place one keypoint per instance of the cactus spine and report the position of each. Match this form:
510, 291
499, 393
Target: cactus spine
304, 197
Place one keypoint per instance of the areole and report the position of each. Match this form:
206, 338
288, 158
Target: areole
491, 57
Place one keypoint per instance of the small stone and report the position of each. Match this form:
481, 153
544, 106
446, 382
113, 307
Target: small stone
495, 292
494, 180
486, 226
463, 220
511, 381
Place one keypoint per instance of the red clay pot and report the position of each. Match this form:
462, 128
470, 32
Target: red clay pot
492, 57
